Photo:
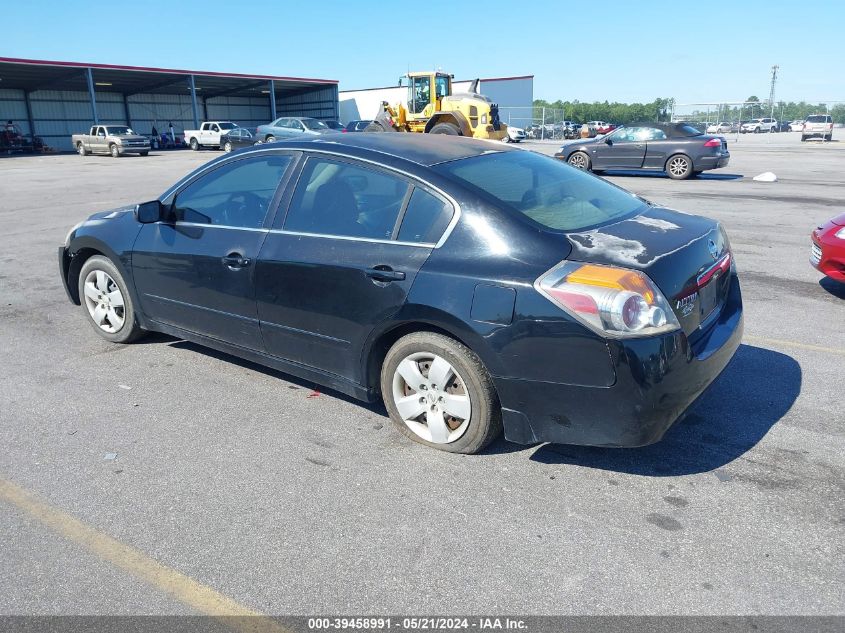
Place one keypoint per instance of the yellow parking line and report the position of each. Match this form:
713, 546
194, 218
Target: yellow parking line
200, 597
775, 342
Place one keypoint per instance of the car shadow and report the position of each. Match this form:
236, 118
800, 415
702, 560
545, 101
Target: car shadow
296, 382
661, 174
836, 288
756, 390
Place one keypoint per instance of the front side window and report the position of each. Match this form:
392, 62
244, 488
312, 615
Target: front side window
441, 86
341, 199
237, 194
546, 190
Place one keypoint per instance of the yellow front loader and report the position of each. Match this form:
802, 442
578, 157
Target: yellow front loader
431, 108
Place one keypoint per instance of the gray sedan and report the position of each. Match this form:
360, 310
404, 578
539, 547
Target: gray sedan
676, 148
291, 128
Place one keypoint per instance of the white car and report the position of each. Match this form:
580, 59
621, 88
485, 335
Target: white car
515, 135
759, 125
209, 134
797, 125
719, 128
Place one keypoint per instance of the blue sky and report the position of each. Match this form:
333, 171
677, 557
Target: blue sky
614, 50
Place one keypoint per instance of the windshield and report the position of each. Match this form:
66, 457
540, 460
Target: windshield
226, 126
546, 190
119, 130
314, 124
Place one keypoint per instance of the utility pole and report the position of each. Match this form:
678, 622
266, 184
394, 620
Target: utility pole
772, 91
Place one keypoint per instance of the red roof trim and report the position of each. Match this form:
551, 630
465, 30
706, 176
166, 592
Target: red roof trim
175, 71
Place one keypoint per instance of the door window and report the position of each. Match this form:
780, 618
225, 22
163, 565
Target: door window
237, 194
425, 219
420, 94
336, 198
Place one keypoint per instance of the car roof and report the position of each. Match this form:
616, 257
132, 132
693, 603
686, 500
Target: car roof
423, 149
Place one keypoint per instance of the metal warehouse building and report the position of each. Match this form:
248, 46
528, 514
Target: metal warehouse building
515, 96
56, 99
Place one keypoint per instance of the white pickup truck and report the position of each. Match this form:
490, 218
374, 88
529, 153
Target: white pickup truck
209, 134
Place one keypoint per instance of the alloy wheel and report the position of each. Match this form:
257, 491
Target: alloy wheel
578, 161
432, 398
678, 166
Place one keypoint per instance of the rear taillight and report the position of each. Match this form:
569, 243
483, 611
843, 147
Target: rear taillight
614, 302
713, 142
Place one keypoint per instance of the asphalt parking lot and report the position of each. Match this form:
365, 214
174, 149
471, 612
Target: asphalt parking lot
286, 500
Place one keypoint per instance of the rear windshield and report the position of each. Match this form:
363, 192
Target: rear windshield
546, 190
226, 126
818, 118
687, 130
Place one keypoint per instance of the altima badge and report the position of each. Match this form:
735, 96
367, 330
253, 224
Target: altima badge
686, 304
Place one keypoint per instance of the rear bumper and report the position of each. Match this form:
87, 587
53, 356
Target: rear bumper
658, 379
713, 162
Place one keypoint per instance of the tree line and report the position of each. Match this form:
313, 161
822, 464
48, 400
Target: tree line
661, 110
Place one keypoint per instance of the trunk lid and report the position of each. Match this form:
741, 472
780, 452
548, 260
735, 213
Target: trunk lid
686, 256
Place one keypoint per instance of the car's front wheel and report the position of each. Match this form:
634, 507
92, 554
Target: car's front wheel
579, 160
438, 393
227, 147
107, 301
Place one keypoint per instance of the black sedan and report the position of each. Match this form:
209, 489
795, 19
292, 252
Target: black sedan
679, 149
236, 138
470, 287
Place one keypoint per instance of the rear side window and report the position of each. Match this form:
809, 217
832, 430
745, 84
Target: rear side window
546, 190
237, 194
426, 218
340, 199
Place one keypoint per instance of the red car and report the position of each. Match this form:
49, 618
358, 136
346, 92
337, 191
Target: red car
828, 250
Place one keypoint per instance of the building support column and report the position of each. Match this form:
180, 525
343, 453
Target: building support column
90, 77
126, 110
204, 110
193, 86
272, 100
29, 115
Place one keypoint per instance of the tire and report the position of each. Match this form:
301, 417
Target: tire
227, 147
375, 126
679, 167
469, 387
756, 130
579, 160
114, 150
507, 139
145, 153
99, 279
829, 137
445, 128
80, 149
194, 144
803, 138
270, 139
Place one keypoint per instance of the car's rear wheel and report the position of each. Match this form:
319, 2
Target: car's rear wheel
80, 148
194, 144
144, 153
679, 167
270, 139
579, 160
446, 128
438, 393
108, 303
829, 137
803, 138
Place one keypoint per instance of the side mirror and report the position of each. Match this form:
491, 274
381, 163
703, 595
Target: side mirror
607, 140
150, 212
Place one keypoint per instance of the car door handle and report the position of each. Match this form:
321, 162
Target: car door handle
384, 273
236, 260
